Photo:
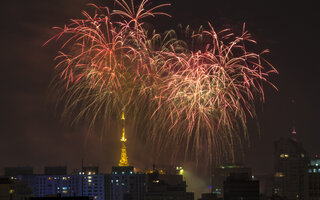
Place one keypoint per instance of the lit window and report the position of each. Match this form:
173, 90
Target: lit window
286, 155
89, 181
314, 170
122, 172
302, 155
130, 172
309, 170
279, 174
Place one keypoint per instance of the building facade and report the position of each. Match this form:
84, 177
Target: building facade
126, 184
240, 186
314, 178
290, 169
70, 185
220, 174
166, 187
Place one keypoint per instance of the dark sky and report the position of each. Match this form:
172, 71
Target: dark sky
31, 134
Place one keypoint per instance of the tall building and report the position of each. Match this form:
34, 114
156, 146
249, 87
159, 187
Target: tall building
290, 169
124, 182
314, 178
240, 186
220, 174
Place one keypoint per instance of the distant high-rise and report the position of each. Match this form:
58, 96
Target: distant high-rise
221, 173
290, 169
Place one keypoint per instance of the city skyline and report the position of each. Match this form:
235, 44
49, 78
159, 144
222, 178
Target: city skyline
29, 124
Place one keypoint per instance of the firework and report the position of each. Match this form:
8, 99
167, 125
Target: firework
191, 94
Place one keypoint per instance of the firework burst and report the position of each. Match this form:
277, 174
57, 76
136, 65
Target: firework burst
189, 95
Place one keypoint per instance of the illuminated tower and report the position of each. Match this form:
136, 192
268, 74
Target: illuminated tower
124, 158
124, 182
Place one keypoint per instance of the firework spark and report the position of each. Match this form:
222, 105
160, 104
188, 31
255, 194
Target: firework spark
195, 92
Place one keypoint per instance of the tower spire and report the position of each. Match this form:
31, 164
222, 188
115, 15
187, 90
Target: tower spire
124, 158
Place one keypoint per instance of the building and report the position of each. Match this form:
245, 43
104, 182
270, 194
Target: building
21, 179
6, 190
240, 186
314, 178
265, 185
290, 169
124, 182
166, 186
55, 182
221, 173
80, 184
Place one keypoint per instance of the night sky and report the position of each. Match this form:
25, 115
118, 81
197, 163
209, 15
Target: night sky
33, 135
